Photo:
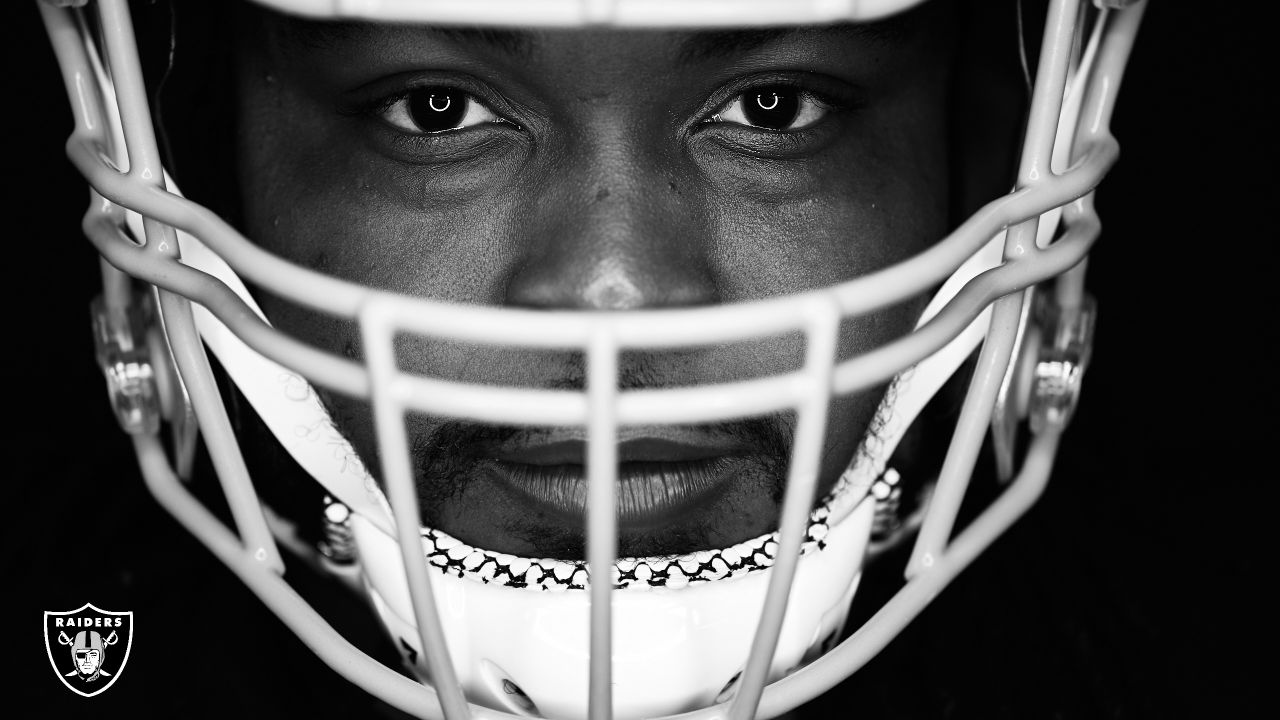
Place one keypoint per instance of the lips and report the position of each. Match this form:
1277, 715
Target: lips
663, 473
523, 491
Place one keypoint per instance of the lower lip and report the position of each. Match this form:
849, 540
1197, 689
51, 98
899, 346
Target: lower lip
646, 491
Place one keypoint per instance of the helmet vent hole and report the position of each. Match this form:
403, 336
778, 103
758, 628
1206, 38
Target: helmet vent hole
508, 693
730, 688
518, 695
816, 650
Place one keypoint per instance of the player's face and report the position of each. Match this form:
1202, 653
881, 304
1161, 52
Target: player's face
87, 661
601, 170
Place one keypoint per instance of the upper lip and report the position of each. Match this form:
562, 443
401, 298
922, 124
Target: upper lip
568, 446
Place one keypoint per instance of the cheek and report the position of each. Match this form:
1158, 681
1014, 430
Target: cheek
379, 226
840, 226
781, 228
315, 193
875, 196
866, 203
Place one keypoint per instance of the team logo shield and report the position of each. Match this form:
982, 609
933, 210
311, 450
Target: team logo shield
88, 647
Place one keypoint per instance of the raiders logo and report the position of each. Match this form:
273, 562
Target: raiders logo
88, 647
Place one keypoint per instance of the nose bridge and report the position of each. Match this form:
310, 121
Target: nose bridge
612, 229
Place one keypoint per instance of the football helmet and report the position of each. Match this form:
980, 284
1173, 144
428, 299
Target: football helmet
88, 651
751, 630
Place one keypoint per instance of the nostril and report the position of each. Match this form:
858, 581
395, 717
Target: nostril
507, 691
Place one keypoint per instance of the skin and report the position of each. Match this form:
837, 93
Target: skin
88, 663
608, 185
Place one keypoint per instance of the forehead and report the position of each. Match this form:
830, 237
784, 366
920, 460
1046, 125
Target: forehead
686, 47
563, 63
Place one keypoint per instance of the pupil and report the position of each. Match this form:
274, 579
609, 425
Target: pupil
436, 109
771, 107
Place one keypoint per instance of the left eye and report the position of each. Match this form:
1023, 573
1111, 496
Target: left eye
774, 107
436, 110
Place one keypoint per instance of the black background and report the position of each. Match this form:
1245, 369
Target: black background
1133, 590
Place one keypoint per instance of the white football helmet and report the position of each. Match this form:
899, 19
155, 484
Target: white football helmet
751, 630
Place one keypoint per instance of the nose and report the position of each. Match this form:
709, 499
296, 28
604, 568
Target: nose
612, 230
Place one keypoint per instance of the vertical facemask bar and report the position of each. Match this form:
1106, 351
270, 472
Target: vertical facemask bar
117, 286
1069, 288
821, 331
602, 535
145, 168
1121, 27
80, 63
1070, 342
69, 37
388, 397
971, 428
1020, 242
1112, 42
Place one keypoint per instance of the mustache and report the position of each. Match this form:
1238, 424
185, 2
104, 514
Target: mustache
453, 442
453, 439
637, 370
633, 374
446, 452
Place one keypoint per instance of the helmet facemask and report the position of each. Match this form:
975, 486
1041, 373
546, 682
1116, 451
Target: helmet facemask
457, 626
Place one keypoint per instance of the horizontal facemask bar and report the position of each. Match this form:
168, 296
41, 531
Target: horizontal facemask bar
617, 13
602, 407
656, 329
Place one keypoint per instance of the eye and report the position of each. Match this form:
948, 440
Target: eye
779, 108
436, 109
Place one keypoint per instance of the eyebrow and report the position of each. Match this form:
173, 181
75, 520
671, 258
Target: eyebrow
720, 44
512, 42
323, 35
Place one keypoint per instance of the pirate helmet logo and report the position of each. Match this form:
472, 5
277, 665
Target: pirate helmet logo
87, 652
88, 647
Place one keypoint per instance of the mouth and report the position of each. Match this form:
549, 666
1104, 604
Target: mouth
663, 474
523, 491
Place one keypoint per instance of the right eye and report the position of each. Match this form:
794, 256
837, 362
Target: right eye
436, 109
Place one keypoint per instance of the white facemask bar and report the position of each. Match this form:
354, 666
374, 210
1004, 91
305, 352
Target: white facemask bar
601, 336
618, 13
